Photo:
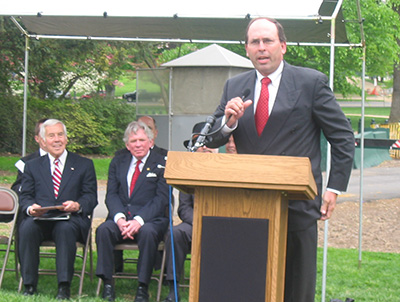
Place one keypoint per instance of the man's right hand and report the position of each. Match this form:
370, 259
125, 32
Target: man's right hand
34, 210
234, 110
121, 223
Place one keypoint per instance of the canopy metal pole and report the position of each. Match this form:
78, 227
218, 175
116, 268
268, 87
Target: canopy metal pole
24, 119
360, 20
328, 153
361, 162
170, 113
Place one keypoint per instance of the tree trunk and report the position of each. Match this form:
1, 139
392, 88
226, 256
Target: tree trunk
395, 109
110, 91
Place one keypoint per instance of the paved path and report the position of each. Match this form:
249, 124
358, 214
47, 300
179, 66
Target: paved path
378, 183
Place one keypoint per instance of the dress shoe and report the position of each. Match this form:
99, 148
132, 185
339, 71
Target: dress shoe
63, 292
29, 290
171, 297
108, 292
142, 295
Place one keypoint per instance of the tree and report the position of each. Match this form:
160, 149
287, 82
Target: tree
395, 109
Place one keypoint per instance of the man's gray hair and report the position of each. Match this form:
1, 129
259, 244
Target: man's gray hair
50, 122
134, 127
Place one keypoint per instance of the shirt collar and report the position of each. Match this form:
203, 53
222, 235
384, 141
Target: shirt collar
62, 158
42, 152
144, 159
274, 77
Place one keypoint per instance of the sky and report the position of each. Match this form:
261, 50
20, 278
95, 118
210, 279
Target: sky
184, 8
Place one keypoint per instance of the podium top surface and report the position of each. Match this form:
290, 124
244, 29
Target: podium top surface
185, 171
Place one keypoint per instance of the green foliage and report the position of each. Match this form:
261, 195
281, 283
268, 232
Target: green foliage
381, 24
179, 51
11, 124
95, 126
8, 172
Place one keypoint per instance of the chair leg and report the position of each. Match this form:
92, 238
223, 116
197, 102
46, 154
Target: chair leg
91, 261
20, 284
84, 260
98, 287
3, 270
161, 279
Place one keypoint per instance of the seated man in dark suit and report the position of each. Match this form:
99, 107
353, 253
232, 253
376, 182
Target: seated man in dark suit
137, 198
151, 123
63, 179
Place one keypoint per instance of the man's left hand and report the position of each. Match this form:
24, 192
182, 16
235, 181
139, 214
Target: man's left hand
131, 228
329, 204
71, 206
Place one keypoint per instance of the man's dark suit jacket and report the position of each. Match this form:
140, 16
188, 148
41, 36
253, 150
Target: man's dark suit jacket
304, 106
185, 209
78, 183
17, 184
149, 198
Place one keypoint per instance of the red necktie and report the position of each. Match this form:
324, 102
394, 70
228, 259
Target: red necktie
262, 113
135, 176
56, 177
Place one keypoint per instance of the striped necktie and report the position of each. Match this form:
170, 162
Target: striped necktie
56, 177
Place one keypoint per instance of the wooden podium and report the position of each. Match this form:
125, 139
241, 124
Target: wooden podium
240, 221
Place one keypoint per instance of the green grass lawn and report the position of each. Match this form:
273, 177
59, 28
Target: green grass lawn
379, 114
129, 85
376, 280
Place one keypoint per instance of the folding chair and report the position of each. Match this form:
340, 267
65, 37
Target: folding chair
185, 280
131, 246
9, 206
87, 250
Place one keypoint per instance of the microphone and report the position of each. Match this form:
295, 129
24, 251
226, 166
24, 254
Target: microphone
207, 127
202, 136
245, 94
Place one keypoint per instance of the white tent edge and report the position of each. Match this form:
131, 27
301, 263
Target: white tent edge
332, 44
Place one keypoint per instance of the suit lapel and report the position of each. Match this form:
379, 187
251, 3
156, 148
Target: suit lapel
125, 162
285, 102
45, 171
68, 172
146, 168
248, 116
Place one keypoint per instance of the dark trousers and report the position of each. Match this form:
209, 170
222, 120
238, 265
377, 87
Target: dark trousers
32, 233
148, 238
301, 265
182, 243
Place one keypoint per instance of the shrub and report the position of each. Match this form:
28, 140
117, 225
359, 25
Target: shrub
94, 126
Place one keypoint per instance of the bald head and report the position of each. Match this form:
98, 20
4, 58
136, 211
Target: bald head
151, 123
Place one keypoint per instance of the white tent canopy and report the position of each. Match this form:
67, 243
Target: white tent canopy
306, 21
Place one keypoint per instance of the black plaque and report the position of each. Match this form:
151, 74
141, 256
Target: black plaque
234, 253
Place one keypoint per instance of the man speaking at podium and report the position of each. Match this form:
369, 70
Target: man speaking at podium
284, 115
